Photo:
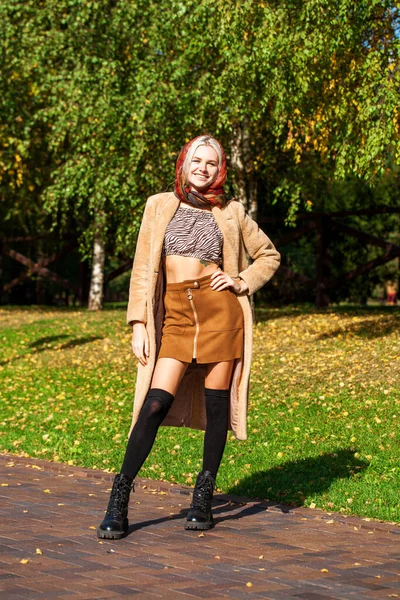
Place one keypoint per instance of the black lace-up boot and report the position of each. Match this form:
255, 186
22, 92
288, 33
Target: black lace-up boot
200, 515
115, 523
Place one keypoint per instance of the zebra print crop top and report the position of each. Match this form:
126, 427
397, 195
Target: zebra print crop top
193, 233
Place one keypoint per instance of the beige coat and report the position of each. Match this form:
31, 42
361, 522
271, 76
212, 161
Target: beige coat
241, 234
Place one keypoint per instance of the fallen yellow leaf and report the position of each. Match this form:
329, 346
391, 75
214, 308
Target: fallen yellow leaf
47, 491
4, 485
92, 527
24, 561
38, 551
261, 556
201, 535
249, 584
324, 571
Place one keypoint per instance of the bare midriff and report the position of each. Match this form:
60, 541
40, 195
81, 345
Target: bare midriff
182, 268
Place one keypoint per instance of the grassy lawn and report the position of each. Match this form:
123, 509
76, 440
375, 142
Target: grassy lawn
324, 404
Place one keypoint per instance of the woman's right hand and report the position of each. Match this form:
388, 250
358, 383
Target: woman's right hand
140, 342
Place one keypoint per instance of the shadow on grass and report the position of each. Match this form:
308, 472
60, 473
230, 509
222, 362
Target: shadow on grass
46, 343
369, 329
49, 339
268, 313
81, 341
43, 343
294, 481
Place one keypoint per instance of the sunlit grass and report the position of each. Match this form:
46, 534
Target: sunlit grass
324, 404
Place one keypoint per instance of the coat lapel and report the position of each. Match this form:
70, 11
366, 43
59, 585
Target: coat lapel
165, 212
229, 229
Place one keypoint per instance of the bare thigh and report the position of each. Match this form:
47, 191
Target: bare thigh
219, 375
168, 374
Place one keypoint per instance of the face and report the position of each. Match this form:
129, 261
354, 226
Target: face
203, 169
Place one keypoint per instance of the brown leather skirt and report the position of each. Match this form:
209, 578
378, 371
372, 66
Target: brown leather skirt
201, 323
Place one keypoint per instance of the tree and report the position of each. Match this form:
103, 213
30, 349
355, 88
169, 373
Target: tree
300, 93
78, 59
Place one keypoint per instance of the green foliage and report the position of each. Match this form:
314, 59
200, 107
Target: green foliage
98, 97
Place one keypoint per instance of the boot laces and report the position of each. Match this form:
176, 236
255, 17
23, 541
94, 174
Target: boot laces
119, 498
203, 492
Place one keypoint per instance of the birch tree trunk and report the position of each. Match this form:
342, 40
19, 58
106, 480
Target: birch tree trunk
246, 184
97, 278
238, 165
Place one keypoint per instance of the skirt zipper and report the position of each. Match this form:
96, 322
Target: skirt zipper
196, 320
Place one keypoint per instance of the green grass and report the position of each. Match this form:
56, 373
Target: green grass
324, 404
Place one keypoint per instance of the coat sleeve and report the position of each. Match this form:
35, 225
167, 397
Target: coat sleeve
266, 259
137, 305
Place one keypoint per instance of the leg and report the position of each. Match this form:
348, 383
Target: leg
168, 374
218, 379
219, 375
166, 379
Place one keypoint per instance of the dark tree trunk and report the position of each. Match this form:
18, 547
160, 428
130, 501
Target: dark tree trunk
84, 283
322, 299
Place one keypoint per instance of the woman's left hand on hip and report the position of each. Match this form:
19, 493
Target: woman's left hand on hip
221, 281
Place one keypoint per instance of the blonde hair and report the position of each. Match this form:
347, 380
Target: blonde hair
203, 140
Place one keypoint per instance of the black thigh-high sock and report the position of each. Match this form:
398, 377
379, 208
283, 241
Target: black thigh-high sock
154, 410
217, 411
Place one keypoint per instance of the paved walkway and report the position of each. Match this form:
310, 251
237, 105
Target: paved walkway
49, 549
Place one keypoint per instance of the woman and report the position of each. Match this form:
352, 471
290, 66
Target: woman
192, 324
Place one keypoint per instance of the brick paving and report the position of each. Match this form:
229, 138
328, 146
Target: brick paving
48, 545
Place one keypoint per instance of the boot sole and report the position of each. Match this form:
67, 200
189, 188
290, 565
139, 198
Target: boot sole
198, 526
110, 535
